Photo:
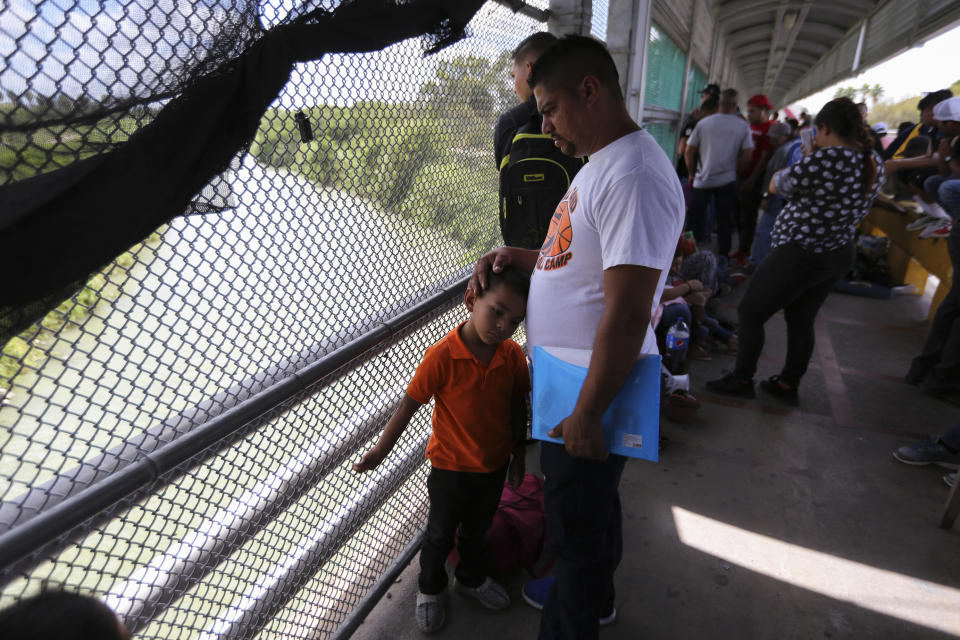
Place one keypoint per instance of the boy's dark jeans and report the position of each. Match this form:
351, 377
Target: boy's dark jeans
584, 524
797, 281
458, 499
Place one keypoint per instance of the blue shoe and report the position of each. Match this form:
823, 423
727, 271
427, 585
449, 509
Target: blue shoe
536, 592
929, 451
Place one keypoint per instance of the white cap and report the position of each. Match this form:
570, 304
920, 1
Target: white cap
949, 109
880, 127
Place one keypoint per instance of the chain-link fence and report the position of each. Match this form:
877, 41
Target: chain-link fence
176, 438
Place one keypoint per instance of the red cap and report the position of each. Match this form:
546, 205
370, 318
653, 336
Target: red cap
760, 100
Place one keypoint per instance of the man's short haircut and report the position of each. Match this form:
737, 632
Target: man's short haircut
570, 60
934, 98
729, 98
511, 277
711, 104
533, 46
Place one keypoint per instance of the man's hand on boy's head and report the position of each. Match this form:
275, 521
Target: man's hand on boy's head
496, 259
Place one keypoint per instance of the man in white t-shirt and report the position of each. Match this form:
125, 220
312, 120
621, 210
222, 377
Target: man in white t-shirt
723, 141
595, 283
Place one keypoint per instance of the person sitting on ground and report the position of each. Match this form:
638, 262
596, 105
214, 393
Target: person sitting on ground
812, 246
674, 305
61, 615
693, 280
479, 378
943, 451
786, 153
675, 384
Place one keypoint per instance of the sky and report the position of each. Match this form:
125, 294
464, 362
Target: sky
927, 67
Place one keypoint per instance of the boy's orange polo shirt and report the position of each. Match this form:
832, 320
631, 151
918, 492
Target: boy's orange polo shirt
471, 416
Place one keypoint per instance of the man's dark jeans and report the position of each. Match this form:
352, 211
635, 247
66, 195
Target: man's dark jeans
797, 281
584, 524
458, 499
724, 198
938, 365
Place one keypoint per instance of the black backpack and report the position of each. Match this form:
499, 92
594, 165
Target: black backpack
534, 177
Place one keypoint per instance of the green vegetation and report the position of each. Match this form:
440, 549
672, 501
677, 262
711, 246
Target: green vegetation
428, 161
38, 148
27, 351
864, 92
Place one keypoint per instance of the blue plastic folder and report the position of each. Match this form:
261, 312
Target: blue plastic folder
631, 424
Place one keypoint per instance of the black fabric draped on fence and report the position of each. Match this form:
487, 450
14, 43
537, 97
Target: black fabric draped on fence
58, 227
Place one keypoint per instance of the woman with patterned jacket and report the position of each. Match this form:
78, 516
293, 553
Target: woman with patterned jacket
812, 246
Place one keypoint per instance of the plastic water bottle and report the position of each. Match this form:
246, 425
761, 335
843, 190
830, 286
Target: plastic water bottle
678, 339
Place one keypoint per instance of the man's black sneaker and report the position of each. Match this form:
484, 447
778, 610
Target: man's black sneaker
733, 385
781, 391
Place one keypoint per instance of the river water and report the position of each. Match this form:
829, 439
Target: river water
226, 295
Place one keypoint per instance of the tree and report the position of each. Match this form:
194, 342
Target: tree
479, 83
875, 93
846, 92
472, 91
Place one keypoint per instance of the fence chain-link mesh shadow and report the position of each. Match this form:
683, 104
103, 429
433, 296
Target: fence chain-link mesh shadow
176, 436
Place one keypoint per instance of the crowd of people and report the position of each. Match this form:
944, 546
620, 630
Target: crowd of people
796, 230
630, 246
810, 209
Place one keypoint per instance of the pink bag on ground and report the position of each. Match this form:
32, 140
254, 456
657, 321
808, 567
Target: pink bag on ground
518, 535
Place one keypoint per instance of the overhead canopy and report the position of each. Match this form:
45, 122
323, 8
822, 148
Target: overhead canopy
789, 49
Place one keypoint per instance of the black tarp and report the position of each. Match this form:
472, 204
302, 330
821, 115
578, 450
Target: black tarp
57, 228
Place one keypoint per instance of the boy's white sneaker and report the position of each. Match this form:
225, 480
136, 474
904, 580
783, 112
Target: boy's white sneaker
489, 594
431, 612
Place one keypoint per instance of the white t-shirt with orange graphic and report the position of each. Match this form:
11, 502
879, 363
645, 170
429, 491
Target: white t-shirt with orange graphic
624, 207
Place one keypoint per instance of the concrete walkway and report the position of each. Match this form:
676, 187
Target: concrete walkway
766, 522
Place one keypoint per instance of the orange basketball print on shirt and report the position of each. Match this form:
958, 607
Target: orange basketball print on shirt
560, 233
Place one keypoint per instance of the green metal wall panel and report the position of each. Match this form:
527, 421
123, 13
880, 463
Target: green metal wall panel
665, 66
665, 133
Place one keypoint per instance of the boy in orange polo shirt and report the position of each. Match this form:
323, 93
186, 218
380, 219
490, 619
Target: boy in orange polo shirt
479, 378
